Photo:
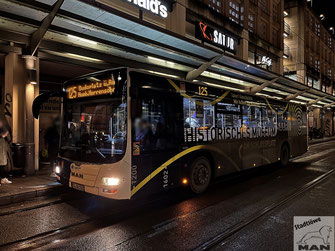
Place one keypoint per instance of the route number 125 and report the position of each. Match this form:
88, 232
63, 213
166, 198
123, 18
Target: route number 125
203, 91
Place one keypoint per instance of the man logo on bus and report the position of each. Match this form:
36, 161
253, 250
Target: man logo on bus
313, 233
323, 234
78, 175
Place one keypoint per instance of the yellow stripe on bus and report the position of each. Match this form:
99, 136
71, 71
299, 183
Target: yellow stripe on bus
197, 102
278, 113
176, 157
220, 98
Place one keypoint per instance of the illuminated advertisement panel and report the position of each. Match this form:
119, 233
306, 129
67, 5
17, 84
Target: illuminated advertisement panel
157, 7
216, 37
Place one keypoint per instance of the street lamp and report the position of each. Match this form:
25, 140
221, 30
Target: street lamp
332, 29
322, 17
32, 76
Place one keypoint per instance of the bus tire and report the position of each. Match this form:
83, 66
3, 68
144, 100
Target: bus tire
200, 175
284, 155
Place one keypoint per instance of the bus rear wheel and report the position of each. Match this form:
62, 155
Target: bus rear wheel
200, 175
284, 155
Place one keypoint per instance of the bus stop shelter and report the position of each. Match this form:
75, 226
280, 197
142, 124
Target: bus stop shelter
90, 34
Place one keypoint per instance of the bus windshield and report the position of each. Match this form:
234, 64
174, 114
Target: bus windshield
94, 128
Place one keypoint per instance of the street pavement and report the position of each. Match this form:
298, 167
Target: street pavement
177, 220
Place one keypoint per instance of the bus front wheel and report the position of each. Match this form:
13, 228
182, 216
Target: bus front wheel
284, 155
200, 175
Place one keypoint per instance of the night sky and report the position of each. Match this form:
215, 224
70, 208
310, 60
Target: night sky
327, 8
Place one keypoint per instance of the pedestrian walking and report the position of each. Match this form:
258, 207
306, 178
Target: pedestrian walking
3, 153
51, 138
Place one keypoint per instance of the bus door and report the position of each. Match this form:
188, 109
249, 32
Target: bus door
228, 118
251, 150
269, 138
156, 136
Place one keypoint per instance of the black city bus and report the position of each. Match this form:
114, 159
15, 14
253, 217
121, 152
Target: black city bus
126, 132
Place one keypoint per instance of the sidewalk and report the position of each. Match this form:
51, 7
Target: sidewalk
316, 141
26, 188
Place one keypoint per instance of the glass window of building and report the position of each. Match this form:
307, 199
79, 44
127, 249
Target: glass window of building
251, 22
236, 12
309, 81
215, 5
317, 65
316, 84
251, 57
317, 29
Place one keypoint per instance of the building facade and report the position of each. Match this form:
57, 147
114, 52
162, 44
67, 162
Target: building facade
309, 53
258, 24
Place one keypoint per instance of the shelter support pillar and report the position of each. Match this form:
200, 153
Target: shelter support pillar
21, 87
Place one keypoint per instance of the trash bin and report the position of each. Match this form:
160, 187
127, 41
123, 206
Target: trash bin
18, 151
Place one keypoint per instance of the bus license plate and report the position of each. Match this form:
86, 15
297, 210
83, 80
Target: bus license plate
78, 186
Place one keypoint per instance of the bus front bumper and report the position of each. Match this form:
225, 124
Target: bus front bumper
97, 179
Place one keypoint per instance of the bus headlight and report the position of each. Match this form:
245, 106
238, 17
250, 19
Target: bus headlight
111, 181
57, 169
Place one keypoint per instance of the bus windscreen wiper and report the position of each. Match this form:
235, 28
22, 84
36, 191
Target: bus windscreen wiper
102, 155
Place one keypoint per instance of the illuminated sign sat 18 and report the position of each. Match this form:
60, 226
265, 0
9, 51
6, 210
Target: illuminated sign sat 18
216, 37
158, 7
91, 89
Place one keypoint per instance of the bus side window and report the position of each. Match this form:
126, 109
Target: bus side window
156, 129
252, 116
228, 115
269, 118
198, 113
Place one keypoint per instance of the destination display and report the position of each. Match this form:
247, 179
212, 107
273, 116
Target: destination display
91, 89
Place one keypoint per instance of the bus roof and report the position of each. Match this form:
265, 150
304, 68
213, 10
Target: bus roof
164, 76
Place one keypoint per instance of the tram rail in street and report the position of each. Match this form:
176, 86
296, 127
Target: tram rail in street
86, 226
239, 226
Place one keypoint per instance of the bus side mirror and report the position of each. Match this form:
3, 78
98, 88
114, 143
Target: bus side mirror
43, 98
